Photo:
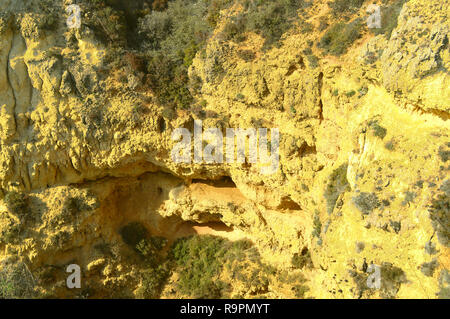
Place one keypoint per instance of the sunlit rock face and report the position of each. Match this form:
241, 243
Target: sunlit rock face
357, 207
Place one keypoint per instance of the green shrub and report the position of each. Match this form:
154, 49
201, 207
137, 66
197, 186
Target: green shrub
395, 225
151, 249
444, 154
235, 28
430, 248
409, 197
428, 268
133, 233
390, 146
17, 203
172, 38
16, 282
75, 205
200, 259
240, 96
270, 19
350, 93
377, 129
302, 260
360, 246
313, 61
366, 202
444, 284
293, 110
337, 185
159, 5
214, 8
156, 28
342, 6
115, 21
339, 37
440, 214
201, 262
108, 24
317, 225
10, 229
153, 280
300, 290
246, 55
204, 264
169, 82
392, 278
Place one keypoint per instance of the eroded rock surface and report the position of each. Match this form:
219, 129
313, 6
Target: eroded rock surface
85, 150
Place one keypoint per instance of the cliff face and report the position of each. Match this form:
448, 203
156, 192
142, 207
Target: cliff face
363, 176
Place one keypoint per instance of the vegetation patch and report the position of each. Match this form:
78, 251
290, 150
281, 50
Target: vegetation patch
345, 6
16, 281
270, 19
317, 225
430, 248
339, 37
389, 146
313, 61
428, 268
337, 185
302, 260
134, 233
350, 93
151, 248
9, 228
172, 38
409, 197
444, 154
153, 280
366, 202
200, 259
17, 203
440, 214
213, 267
78, 204
444, 284
246, 55
392, 278
377, 129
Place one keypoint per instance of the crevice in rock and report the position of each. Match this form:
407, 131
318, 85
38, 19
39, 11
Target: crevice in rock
291, 70
288, 203
320, 85
305, 149
439, 113
224, 182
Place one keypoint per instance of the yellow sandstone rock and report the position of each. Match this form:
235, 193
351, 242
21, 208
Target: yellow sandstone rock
364, 152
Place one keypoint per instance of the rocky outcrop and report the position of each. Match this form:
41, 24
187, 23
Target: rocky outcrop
364, 144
